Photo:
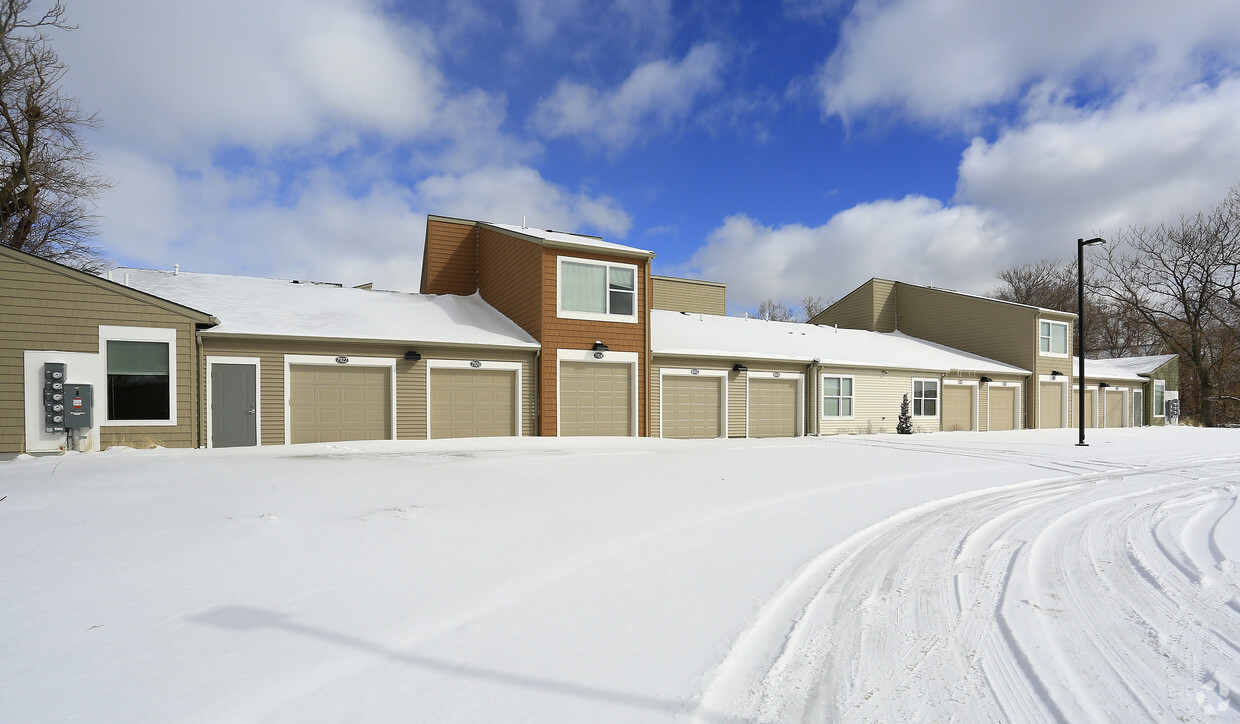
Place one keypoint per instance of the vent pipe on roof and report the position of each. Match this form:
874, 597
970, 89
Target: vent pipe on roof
176, 270
126, 278
523, 226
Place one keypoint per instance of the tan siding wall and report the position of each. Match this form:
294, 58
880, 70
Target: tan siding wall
580, 334
999, 331
509, 271
450, 262
410, 378
46, 310
885, 306
738, 402
876, 401
859, 308
689, 295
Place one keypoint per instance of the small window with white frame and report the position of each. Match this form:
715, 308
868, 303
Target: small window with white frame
1053, 338
925, 398
140, 368
837, 396
597, 290
1160, 393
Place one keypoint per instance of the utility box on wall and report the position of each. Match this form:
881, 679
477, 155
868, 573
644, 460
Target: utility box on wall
79, 406
59, 404
53, 397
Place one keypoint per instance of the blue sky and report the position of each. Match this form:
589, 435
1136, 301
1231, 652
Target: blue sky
787, 148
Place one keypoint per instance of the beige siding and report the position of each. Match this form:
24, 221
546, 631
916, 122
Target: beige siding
876, 402
411, 402
870, 306
46, 308
689, 295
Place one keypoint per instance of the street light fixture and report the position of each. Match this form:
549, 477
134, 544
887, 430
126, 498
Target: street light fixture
1080, 328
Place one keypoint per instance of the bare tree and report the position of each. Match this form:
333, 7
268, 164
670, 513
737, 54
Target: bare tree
47, 181
811, 306
774, 311
1180, 279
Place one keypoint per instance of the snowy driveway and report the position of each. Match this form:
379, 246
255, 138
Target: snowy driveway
984, 576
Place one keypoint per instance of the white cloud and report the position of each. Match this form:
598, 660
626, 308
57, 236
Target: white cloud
506, 195
947, 61
915, 239
1076, 173
654, 97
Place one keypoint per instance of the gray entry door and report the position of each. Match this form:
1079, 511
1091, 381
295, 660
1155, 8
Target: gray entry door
233, 418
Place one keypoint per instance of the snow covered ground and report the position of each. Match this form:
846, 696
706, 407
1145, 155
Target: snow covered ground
1000, 576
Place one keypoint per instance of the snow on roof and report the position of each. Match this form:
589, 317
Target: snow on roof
710, 335
561, 238
1107, 369
278, 307
1136, 365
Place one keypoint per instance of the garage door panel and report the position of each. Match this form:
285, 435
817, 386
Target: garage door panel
1002, 408
957, 407
595, 399
1115, 409
692, 406
1050, 413
773, 407
472, 403
334, 404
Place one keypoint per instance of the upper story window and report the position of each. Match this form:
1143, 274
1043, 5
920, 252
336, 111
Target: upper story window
597, 290
140, 363
1053, 338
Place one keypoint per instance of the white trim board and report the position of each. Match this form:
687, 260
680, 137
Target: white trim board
111, 333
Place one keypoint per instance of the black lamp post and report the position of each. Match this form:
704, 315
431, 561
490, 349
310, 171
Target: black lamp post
1080, 328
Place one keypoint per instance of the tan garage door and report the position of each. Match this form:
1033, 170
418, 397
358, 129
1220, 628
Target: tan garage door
1091, 409
1050, 410
331, 404
691, 406
1002, 407
1115, 408
472, 403
957, 407
596, 398
772, 408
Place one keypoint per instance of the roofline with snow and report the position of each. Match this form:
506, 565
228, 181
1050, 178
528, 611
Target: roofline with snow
214, 334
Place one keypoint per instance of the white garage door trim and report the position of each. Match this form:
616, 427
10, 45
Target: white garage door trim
1106, 418
1016, 406
1065, 413
798, 376
695, 372
334, 361
464, 364
585, 355
975, 392
213, 360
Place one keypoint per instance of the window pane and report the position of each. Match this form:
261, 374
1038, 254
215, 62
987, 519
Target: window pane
846, 407
137, 397
622, 278
1045, 329
137, 358
846, 386
622, 302
831, 386
583, 287
930, 407
1059, 339
931, 390
831, 407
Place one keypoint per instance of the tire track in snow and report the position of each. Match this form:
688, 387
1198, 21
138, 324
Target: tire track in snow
1104, 595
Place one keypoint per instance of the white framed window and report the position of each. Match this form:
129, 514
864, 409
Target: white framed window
925, 398
1053, 338
140, 375
596, 290
1160, 393
837, 396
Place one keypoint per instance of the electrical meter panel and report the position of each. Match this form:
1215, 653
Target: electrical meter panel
79, 402
53, 397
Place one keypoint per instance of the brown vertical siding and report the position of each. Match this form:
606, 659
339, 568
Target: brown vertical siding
410, 377
580, 334
509, 271
689, 295
46, 309
450, 257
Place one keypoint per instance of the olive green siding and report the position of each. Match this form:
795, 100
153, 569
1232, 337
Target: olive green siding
410, 377
49, 307
1169, 373
870, 306
689, 295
